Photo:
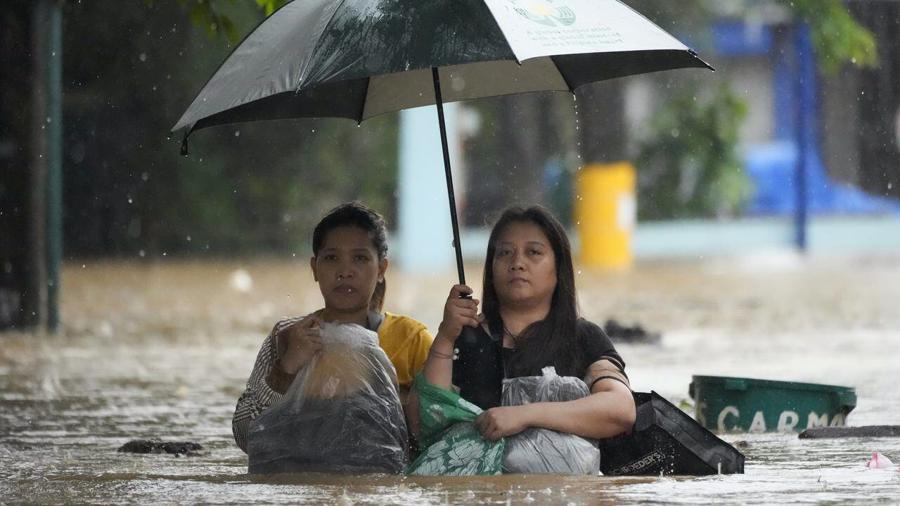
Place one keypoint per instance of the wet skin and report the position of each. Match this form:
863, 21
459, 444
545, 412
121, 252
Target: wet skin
524, 267
347, 269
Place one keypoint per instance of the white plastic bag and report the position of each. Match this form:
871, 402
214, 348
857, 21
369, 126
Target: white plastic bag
341, 414
545, 451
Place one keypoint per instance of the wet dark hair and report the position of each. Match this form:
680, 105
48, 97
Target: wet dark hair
551, 341
357, 214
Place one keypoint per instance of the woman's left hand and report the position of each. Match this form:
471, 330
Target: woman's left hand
496, 423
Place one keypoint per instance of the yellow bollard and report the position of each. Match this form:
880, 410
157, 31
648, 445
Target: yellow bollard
605, 211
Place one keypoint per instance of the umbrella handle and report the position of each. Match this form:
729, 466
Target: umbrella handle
454, 221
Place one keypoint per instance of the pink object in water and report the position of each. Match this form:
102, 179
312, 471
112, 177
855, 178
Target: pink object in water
879, 461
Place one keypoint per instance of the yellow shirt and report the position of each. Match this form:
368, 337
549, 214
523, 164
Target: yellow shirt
406, 343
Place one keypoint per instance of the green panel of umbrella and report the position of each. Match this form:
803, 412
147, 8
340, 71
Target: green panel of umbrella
357, 59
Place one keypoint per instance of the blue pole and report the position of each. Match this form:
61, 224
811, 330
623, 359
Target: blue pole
805, 95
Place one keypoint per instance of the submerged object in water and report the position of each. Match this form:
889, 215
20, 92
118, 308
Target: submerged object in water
636, 334
842, 432
733, 404
153, 446
665, 440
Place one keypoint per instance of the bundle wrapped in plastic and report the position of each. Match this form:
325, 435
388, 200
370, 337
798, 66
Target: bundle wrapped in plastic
342, 413
545, 451
453, 446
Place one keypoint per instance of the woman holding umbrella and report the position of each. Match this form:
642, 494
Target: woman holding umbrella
529, 312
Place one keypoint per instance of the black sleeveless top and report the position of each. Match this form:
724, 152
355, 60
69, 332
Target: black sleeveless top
478, 370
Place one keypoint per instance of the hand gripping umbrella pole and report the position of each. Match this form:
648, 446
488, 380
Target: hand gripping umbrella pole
468, 336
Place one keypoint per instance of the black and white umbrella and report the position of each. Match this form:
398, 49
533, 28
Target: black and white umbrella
357, 59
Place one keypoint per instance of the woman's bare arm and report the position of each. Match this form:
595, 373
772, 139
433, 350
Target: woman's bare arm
438, 370
607, 412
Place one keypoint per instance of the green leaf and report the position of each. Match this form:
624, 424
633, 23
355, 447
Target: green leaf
836, 35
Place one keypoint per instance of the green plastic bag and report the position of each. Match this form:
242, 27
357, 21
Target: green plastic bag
453, 446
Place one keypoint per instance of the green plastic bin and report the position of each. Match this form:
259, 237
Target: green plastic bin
727, 404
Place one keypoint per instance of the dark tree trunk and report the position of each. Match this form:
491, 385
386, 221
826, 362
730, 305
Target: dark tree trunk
601, 120
520, 129
879, 102
15, 158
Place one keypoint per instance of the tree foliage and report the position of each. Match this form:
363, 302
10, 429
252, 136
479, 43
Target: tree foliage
215, 16
261, 187
689, 164
244, 188
839, 39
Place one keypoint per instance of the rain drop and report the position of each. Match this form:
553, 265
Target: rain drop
142, 253
130, 201
188, 238
142, 57
237, 133
890, 186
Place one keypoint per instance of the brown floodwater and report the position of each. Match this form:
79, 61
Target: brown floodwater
162, 350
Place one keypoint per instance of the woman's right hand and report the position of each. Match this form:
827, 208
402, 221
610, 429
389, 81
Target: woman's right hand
459, 312
298, 343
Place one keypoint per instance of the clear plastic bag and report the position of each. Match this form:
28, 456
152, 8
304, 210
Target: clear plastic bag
545, 451
342, 413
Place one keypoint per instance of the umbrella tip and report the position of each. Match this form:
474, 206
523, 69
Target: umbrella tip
701, 60
184, 144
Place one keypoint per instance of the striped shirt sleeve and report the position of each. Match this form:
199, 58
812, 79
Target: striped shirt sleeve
257, 396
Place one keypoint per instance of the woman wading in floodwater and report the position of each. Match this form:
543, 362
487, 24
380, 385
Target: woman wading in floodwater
349, 262
529, 313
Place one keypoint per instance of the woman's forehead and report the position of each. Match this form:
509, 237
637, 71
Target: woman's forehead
522, 232
348, 237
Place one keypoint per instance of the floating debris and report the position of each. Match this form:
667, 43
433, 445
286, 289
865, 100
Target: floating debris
186, 448
842, 432
879, 461
635, 334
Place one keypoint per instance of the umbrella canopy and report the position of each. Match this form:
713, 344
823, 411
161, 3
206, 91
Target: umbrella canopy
360, 58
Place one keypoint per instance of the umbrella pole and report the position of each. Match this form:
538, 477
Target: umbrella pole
450, 194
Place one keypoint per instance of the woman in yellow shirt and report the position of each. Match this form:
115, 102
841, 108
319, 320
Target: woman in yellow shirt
349, 262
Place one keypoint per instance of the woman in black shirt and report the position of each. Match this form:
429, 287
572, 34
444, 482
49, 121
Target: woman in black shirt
529, 321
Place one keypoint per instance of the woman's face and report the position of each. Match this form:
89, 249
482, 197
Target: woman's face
347, 269
524, 266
